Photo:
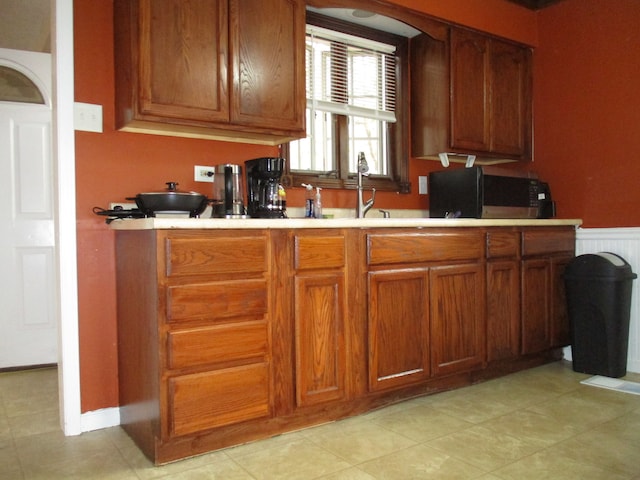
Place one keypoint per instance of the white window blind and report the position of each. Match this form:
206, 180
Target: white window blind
349, 75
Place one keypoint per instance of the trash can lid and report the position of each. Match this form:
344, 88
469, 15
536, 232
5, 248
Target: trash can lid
605, 265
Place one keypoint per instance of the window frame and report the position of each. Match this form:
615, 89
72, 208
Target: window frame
397, 179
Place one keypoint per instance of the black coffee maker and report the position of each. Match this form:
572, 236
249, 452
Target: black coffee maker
264, 194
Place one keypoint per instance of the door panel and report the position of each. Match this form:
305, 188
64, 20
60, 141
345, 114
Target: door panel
28, 325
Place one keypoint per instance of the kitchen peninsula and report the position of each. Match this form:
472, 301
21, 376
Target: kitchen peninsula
235, 330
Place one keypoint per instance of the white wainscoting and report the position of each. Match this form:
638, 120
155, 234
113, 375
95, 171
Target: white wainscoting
626, 243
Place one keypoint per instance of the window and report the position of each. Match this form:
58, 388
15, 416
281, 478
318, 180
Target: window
355, 85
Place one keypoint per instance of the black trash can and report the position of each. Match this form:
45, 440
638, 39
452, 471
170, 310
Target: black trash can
598, 288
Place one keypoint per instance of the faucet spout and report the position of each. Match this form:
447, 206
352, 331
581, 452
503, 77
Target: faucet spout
363, 170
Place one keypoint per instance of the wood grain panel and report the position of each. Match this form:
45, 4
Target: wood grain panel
536, 285
503, 309
398, 328
458, 329
201, 256
319, 252
502, 244
319, 340
544, 241
212, 399
217, 343
393, 248
217, 300
193, 34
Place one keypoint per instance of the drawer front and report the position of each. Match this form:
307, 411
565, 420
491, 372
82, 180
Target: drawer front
217, 343
201, 256
202, 401
216, 300
503, 244
319, 252
540, 242
392, 248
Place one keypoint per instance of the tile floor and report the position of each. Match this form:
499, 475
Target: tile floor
537, 424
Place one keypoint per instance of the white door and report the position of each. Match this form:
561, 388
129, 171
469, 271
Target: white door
28, 323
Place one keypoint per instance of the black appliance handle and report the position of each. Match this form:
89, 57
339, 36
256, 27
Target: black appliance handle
228, 190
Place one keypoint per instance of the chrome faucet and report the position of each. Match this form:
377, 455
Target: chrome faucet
363, 170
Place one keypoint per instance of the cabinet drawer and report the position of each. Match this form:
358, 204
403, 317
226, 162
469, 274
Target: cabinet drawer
198, 256
391, 248
503, 244
218, 343
539, 242
217, 300
319, 252
202, 401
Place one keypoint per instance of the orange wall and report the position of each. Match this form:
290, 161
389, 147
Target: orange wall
587, 109
113, 165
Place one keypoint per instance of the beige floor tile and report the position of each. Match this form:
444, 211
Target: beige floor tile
35, 424
483, 447
534, 428
352, 473
541, 423
585, 407
10, 468
421, 423
224, 469
554, 465
604, 450
357, 441
470, 405
146, 470
299, 459
269, 443
420, 462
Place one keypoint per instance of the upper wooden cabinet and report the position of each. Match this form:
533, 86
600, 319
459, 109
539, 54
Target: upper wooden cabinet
471, 95
211, 68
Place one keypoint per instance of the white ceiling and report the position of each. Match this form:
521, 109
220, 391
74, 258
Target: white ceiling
368, 19
26, 25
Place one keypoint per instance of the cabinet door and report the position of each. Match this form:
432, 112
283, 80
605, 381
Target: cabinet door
319, 336
536, 285
510, 99
182, 59
503, 309
267, 41
560, 325
398, 327
470, 124
457, 318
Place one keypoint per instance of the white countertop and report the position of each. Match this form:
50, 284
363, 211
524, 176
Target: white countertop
161, 223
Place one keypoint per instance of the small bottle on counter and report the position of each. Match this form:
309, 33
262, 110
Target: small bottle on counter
317, 204
309, 201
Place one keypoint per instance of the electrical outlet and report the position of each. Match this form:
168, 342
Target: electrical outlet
422, 185
87, 117
203, 174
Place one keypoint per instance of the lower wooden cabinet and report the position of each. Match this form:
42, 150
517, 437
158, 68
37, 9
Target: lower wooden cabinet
458, 331
545, 254
220, 345
503, 309
213, 398
398, 326
319, 305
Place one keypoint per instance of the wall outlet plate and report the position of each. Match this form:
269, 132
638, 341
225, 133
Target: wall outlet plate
87, 117
203, 174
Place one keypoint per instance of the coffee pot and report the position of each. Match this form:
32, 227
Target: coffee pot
228, 195
265, 196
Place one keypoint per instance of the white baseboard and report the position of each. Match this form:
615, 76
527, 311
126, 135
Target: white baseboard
98, 419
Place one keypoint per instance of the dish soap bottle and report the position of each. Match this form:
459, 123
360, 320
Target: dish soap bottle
317, 204
309, 200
